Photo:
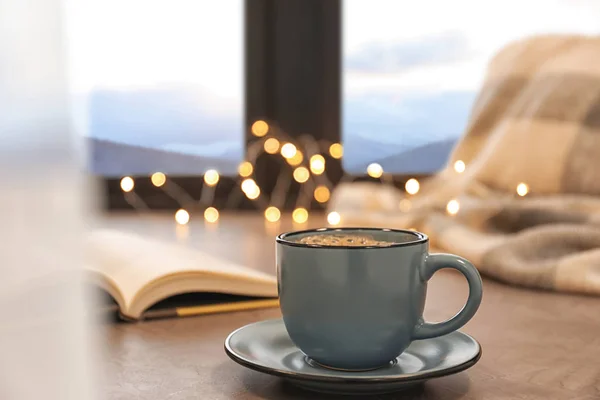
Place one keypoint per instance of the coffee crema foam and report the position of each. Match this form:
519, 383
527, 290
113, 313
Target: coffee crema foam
343, 240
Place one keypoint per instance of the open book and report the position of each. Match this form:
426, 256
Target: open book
142, 275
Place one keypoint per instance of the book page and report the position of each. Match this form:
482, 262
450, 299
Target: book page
133, 261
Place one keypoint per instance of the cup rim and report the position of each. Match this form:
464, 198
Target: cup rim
420, 238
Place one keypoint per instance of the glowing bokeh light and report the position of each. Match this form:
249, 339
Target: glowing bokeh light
336, 151
317, 164
412, 186
322, 194
334, 218
300, 215
271, 146
211, 214
260, 128
374, 170
158, 179
452, 207
250, 188
301, 174
211, 177
272, 214
245, 169
296, 159
182, 217
459, 166
127, 184
522, 189
288, 150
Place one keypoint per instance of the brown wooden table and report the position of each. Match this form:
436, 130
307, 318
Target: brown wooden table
536, 345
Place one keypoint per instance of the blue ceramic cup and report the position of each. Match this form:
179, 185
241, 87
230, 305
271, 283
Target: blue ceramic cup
359, 307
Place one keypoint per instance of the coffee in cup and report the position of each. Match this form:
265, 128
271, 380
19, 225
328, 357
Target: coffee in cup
343, 239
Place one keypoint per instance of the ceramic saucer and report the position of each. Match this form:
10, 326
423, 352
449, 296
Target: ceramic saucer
266, 347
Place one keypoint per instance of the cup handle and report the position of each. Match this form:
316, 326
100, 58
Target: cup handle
432, 264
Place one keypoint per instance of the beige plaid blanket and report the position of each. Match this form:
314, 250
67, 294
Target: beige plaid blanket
536, 121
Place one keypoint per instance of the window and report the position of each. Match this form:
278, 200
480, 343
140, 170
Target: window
158, 84
181, 82
411, 70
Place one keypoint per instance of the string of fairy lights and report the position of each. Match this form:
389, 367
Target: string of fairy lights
305, 158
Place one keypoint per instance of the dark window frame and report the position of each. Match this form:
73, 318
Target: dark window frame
293, 77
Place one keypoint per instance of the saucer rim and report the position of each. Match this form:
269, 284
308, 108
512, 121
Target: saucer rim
407, 378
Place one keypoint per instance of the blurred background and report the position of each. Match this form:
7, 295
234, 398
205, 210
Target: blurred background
201, 107
174, 87
409, 78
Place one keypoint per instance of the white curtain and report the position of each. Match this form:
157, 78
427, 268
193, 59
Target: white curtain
45, 343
